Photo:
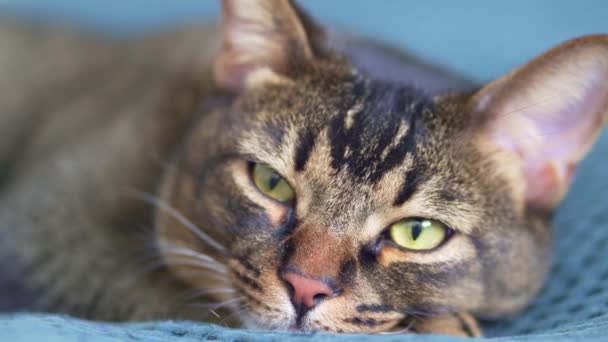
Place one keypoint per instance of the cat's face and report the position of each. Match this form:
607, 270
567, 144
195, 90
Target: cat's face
347, 204
359, 156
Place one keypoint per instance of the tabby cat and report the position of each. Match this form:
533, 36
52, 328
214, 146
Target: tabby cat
282, 176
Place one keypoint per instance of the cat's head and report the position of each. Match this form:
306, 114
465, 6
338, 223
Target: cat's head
335, 202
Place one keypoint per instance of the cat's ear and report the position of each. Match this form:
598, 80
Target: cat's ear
263, 41
548, 113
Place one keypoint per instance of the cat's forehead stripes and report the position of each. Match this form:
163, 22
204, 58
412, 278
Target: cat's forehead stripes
414, 177
378, 137
361, 149
371, 132
306, 143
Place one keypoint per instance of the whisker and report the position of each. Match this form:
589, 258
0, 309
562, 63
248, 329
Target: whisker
233, 314
217, 305
215, 314
180, 218
151, 257
200, 293
171, 246
419, 313
187, 296
208, 275
139, 258
209, 272
430, 312
215, 265
407, 329
143, 233
195, 263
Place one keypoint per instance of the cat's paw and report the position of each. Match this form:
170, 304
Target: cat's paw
453, 324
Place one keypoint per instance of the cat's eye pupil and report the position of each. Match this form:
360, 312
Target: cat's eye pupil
274, 180
416, 230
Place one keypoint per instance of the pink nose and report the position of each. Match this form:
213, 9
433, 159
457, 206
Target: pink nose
306, 291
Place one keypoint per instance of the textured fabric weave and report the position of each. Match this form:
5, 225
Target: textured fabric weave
57, 328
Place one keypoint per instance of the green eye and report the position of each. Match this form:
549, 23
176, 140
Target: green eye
418, 234
271, 184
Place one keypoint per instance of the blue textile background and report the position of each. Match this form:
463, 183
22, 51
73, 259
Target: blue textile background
481, 39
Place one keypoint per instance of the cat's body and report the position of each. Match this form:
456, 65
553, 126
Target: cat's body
84, 123
109, 151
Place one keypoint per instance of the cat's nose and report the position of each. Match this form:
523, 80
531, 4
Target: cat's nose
306, 291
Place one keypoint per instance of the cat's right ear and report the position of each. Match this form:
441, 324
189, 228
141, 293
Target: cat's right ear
263, 41
548, 113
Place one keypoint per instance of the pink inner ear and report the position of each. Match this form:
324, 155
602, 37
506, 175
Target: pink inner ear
547, 184
551, 137
550, 112
259, 35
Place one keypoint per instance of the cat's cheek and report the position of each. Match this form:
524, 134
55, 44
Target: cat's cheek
265, 297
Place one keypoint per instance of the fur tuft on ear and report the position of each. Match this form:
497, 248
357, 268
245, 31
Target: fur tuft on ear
263, 40
549, 112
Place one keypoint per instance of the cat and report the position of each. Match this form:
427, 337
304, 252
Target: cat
276, 175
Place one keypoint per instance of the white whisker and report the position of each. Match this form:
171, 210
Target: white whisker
233, 314
209, 275
201, 293
216, 306
194, 263
208, 272
407, 329
214, 264
215, 314
180, 218
173, 247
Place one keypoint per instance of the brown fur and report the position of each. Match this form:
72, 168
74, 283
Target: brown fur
174, 155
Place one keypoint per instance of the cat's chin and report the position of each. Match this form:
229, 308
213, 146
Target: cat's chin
294, 328
399, 327
249, 322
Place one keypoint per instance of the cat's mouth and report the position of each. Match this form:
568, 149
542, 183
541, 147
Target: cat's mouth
335, 323
264, 301
300, 314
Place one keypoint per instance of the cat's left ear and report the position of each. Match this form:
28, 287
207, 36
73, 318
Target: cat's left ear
549, 113
263, 41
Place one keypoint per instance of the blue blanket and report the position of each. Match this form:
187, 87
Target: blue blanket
574, 303
51, 328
